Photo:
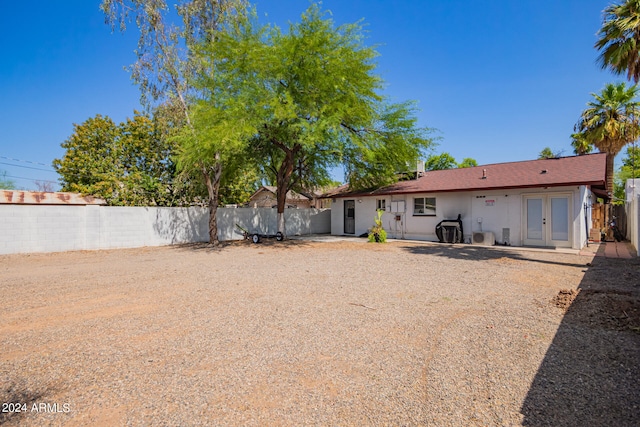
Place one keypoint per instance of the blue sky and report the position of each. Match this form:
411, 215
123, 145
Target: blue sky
499, 79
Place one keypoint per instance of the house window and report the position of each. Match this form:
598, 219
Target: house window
424, 206
381, 204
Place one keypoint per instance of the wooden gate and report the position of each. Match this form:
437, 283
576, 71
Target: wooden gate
620, 212
601, 216
598, 219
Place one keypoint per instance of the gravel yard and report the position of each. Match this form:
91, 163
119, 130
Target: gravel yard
308, 333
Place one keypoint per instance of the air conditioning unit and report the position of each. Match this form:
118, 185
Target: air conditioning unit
484, 238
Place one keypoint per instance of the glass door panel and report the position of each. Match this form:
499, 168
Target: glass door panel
535, 220
560, 219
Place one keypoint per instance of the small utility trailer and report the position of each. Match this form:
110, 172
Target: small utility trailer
255, 237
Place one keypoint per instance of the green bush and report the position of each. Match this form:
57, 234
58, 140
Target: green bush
377, 234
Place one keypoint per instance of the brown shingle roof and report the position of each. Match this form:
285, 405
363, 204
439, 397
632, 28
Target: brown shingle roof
577, 170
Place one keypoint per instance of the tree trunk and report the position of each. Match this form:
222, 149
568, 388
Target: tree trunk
283, 179
212, 175
282, 183
282, 226
609, 176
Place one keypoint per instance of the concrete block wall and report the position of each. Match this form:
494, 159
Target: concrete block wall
46, 228
320, 221
56, 228
633, 221
632, 190
127, 227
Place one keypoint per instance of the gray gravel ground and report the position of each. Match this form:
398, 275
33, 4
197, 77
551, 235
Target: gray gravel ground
305, 333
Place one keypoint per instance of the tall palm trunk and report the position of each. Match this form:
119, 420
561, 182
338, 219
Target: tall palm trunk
609, 174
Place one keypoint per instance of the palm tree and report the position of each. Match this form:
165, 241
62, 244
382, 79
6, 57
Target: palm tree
619, 40
610, 122
580, 144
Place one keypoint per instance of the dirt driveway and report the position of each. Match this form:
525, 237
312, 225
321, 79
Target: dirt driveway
304, 333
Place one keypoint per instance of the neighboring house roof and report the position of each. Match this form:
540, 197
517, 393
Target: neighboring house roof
15, 197
564, 171
291, 195
335, 192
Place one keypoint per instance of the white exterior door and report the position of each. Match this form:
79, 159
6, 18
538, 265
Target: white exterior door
547, 220
349, 217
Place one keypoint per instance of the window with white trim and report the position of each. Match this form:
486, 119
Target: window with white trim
381, 204
424, 206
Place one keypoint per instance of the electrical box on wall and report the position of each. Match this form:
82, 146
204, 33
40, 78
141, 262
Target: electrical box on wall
397, 207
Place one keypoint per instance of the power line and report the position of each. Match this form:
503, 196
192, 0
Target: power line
27, 167
23, 161
28, 179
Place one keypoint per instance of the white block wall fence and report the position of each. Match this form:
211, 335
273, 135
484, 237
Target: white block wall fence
632, 191
54, 228
633, 222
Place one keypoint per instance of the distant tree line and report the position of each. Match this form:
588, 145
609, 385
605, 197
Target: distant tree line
447, 161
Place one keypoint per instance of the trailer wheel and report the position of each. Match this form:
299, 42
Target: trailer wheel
279, 237
255, 238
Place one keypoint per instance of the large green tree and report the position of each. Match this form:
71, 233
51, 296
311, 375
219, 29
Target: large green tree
619, 39
307, 100
167, 67
127, 164
610, 122
88, 161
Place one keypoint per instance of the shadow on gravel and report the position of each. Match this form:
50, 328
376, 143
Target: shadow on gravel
17, 401
264, 243
590, 375
479, 253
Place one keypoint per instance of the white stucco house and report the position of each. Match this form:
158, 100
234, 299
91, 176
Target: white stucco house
541, 203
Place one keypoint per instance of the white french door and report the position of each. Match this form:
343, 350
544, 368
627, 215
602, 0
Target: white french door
547, 220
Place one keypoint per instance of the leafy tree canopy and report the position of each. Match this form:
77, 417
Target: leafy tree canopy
129, 164
440, 162
167, 67
468, 162
630, 169
305, 101
447, 161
